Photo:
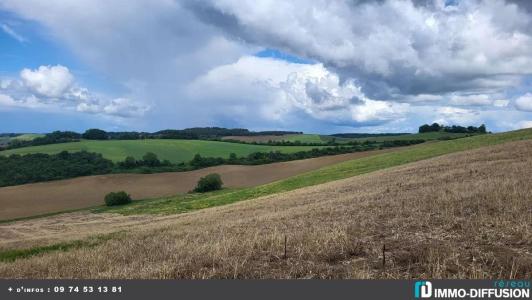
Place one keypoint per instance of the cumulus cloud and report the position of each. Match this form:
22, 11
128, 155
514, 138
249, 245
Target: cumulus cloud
48, 81
55, 87
272, 89
524, 102
392, 46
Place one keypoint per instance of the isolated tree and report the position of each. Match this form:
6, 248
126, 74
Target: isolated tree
117, 198
211, 182
95, 134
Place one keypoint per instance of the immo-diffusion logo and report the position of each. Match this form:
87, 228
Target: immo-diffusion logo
422, 289
501, 289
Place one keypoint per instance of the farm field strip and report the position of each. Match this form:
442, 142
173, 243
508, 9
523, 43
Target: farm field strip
175, 151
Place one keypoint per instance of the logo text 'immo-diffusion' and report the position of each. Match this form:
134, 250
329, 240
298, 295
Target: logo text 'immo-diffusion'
512, 289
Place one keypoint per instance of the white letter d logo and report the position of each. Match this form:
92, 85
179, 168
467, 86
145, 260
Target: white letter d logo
426, 290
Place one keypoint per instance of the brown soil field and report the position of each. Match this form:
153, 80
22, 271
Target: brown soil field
464, 215
47, 197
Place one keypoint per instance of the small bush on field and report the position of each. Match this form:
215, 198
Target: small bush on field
211, 182
117, 198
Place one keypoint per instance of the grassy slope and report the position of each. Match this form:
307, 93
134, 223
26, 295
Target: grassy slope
173, 150
355, 167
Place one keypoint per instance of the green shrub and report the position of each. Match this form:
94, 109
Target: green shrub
211, 182
117, 198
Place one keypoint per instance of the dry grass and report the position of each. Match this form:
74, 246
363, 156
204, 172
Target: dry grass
465, 215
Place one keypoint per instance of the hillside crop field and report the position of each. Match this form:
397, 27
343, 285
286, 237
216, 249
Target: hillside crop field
463, 215
173, 150
428, 136
317, 138
303, 138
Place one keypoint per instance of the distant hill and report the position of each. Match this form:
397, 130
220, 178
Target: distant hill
364, 135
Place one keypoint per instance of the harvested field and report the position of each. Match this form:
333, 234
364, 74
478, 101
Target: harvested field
47, 197
256, 138
463, 215
303, 138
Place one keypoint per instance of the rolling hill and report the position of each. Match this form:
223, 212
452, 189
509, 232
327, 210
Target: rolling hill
317, 138
461, 215
173, 150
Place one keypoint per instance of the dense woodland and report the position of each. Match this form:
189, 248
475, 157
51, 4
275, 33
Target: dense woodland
20, 169
435, 127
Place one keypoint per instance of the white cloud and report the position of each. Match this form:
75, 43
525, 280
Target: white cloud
477, 100
54, 87
453, 115
524, 102
525, 124
12, 33
125, 108
395, 45
6, 100
277, 90
48, 81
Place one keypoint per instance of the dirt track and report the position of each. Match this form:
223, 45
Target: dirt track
41, 198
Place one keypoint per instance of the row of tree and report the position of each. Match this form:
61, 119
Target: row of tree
435, 127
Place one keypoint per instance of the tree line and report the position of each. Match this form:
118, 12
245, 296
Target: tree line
435, 127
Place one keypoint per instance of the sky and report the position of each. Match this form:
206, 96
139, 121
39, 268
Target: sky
317, 66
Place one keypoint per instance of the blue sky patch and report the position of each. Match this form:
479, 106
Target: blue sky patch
274, 53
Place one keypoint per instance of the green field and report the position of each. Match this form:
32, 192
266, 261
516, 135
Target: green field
303, 138
27, 136
190, 202
428, 136
4, 140
316, 138
173, 150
